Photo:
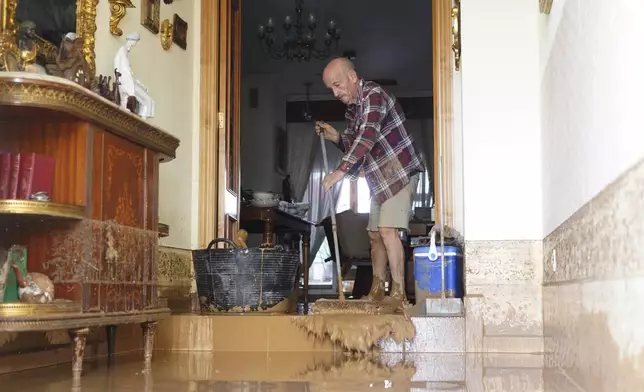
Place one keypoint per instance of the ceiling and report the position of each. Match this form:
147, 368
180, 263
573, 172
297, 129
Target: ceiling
390, 41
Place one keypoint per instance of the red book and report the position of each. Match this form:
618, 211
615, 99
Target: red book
14, 172
5, 171
36, 175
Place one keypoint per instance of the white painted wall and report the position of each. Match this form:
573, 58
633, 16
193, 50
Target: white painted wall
501, 127
169, 77
592, 57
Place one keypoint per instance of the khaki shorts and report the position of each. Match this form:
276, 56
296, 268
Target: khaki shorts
395, 212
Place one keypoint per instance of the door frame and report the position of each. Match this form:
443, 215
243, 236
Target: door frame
212, 149
219, 198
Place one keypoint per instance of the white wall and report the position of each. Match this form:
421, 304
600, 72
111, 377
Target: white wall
170, 78
501, 132
592, 57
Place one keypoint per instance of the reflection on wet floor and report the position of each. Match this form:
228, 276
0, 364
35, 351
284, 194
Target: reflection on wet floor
299, 371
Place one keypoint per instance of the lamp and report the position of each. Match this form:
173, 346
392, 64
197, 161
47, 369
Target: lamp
300, 42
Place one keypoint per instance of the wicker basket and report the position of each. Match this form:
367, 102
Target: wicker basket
234, 279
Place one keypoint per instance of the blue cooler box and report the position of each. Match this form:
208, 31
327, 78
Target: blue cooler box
427, 271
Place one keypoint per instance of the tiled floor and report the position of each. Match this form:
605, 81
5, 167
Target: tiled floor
277, 372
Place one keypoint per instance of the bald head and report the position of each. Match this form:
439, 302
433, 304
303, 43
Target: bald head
340, 76
342, 63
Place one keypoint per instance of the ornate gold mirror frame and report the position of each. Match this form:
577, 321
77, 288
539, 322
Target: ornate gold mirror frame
85, 30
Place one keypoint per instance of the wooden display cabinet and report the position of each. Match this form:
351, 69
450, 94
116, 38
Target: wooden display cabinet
97, 237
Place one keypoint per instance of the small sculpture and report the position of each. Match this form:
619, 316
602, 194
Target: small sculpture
35, 288
103, 86
26, 37
129, 86
70, 63
116, 91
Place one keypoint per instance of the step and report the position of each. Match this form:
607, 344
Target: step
278, 333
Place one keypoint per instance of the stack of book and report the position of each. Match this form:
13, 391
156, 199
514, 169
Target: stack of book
23, 174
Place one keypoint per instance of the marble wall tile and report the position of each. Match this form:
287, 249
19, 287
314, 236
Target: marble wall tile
175, 272
507, 277
502, 262
593, 292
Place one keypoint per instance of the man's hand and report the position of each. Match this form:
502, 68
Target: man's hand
329, 132
332, 179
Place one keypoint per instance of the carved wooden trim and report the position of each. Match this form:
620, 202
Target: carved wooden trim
50, 92
443, 60
208, 122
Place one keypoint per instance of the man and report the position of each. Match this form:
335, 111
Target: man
377, 142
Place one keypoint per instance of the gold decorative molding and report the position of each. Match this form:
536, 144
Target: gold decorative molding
166, 34
545, 6
40, 208
47, 49
50, 92
20, 309
456, 33
118, 9
53, 322
86, 29
9, 53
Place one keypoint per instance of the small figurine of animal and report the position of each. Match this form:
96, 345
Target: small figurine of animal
35, 288
241, 239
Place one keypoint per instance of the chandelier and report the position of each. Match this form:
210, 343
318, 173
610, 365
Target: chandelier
300, 42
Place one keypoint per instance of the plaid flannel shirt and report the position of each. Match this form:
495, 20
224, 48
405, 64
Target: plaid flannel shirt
376, 141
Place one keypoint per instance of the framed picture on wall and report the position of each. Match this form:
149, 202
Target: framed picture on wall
180, 34
150, 15
281, 150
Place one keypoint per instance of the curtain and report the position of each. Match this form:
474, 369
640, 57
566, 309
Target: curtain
302, 141
315, 194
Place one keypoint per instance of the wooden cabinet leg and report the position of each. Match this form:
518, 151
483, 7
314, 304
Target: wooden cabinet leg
111, 340
79, 339
149, 330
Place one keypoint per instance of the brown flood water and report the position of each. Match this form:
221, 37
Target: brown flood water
298, 371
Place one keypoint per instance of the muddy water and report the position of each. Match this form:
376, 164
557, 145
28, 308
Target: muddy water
357, 325
355, 332
295, 372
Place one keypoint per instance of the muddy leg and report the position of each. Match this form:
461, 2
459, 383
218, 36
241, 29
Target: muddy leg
79, 339
379, 265
396, 255
149, 330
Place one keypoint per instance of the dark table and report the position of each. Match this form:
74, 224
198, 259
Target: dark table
273, 221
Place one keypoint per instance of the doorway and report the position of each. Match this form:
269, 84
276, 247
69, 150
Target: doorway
220, 100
